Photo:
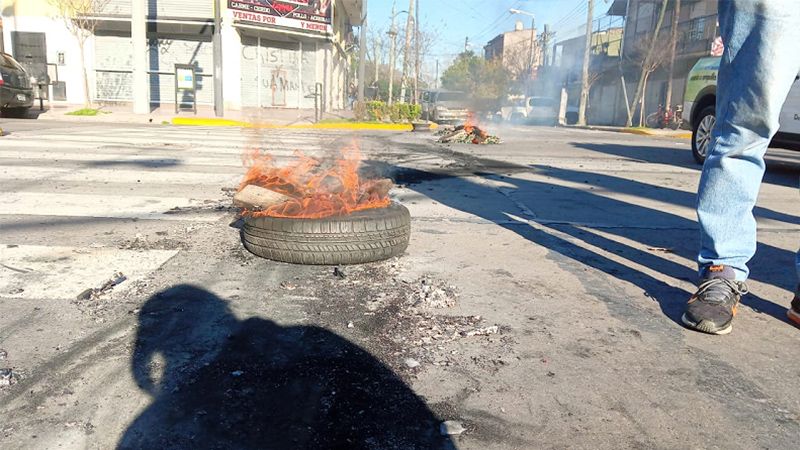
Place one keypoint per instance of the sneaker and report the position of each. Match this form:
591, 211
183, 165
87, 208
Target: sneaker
712, 308
794, 310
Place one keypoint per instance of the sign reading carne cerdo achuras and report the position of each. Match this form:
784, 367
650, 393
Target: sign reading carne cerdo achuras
308, 15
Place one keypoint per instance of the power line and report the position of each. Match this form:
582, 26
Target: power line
497, 22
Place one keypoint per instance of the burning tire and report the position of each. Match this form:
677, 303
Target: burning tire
363, 236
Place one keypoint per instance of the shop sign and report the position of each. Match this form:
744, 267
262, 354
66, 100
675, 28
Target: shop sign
306, 15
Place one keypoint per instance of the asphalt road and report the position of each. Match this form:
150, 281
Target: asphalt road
538, 304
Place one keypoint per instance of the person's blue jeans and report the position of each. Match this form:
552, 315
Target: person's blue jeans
759, 65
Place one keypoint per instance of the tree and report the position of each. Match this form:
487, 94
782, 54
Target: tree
472, 74
519, 64
676, 12
80, 19
649, 60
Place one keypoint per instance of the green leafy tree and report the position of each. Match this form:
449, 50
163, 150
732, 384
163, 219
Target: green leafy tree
482, 78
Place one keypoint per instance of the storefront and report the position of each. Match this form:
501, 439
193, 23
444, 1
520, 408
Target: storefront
275, 54
277, 74
178, 32
288, 57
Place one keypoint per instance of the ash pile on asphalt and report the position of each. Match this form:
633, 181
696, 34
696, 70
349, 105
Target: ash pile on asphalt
404, 321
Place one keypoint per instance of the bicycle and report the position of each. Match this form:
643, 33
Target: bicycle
666, 118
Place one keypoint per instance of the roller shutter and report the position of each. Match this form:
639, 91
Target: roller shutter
163, 52
277, 74
250, 74
183, 9
308, 78
163, 9
113, 68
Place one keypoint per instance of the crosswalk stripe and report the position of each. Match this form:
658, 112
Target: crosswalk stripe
77, 205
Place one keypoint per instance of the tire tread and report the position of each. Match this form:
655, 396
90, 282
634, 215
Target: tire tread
363, 236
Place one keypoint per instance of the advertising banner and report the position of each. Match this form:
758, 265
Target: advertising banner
307, 15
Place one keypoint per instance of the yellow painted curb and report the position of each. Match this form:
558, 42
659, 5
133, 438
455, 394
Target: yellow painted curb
648, 133
190, 121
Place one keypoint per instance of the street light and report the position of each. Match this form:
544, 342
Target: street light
533, 37
393, 34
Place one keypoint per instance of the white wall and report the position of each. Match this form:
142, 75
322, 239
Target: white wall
57, 38
231, 65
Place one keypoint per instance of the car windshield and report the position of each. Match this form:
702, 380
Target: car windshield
543, 102
450, 96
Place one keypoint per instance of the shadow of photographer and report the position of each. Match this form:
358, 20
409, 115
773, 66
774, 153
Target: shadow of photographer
218, 382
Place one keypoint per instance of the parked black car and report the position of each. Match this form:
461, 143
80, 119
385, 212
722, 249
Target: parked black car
16, 92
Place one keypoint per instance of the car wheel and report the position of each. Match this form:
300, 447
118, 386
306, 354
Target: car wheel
701, 134
363, 236
17, 113
572, 118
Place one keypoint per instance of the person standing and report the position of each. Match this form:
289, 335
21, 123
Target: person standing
757, 69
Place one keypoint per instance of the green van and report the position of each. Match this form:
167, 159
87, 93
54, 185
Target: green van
699, 107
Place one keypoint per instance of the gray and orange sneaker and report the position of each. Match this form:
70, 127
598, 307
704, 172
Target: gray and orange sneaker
794, 311
713, 307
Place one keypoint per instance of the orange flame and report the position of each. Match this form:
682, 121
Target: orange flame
471, 126
316, 191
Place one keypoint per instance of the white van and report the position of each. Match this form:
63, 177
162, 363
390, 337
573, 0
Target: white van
699, 108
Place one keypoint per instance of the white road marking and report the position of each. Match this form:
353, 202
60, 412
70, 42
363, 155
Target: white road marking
36, 272
77, 205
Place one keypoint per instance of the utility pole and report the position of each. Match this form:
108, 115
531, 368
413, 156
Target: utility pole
377, 57
362, 53
585, 78
406, 49
416, 59
675, 14
466, 43
141, 99
546, 42
217, 45
436, 81
393, 35
530, 56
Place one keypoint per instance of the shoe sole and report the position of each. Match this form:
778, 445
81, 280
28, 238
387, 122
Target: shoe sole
794, 316
708, 327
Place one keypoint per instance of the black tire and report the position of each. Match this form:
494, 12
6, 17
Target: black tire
701, 133
364, 236
651, 121
17, 113
572, 118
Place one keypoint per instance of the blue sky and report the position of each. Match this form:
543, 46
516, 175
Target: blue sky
482, 20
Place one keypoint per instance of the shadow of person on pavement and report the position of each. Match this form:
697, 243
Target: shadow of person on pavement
221, 383
574, 222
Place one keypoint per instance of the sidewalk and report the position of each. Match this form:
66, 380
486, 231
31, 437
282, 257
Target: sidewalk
680, 133
249, 117
166, 114
267, 118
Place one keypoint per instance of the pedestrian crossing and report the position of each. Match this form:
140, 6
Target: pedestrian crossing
73, 195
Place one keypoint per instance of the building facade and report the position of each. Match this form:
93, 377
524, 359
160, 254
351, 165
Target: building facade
613, 50
520, 52
277, 54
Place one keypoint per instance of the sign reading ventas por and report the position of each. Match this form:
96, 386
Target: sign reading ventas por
307, 15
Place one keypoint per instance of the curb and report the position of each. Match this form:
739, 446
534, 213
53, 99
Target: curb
638, 131
648, 133
186, 121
